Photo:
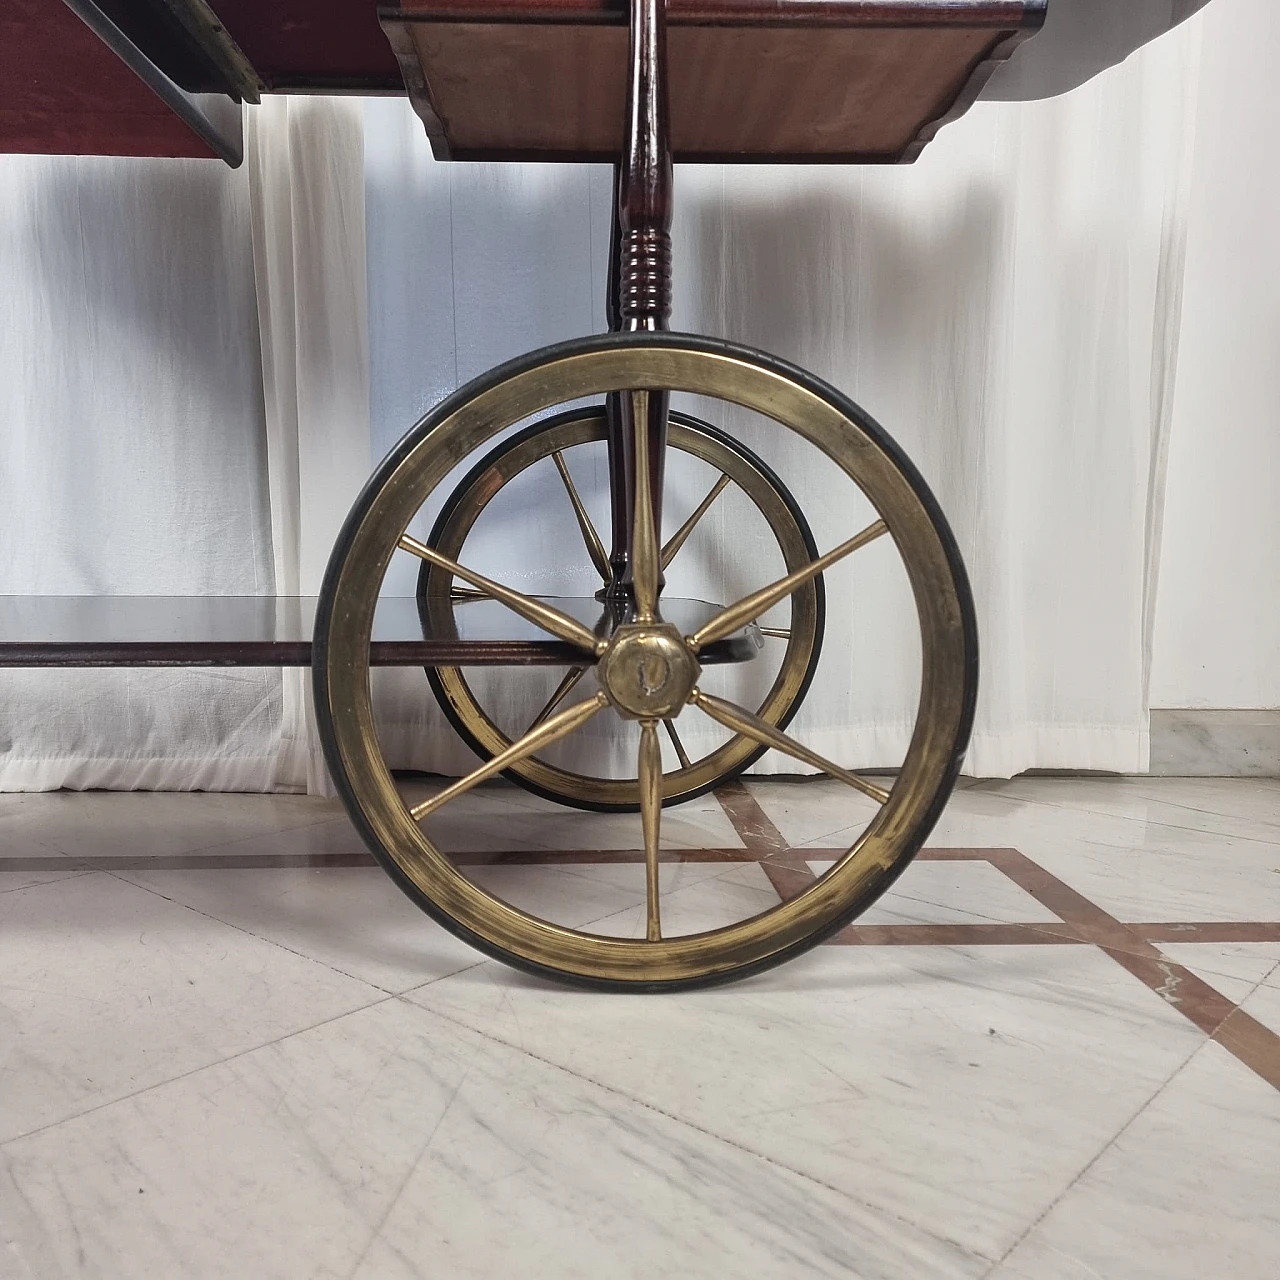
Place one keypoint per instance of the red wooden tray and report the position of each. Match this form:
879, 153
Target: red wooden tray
750, 80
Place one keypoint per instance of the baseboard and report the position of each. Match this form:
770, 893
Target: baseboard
1215, 744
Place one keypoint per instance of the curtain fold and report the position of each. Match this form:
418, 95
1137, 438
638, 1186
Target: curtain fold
306, 184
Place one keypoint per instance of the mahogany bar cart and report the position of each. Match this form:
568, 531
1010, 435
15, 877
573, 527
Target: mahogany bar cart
639, 84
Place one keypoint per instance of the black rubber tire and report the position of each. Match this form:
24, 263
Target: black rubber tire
923, 822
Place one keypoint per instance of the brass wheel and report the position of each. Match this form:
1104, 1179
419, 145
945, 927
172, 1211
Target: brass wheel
795, 643
647, 670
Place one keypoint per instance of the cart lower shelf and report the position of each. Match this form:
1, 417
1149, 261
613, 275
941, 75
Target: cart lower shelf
275, 631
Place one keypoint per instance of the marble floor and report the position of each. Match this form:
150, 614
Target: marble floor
230, 1048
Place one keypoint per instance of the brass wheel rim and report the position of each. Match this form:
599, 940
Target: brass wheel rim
639, 364
589, 426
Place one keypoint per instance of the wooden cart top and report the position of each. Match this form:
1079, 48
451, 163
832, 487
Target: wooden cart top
852, 81
750, 80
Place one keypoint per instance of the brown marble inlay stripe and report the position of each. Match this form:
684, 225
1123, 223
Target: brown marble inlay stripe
788, 881
47, 863
1258, 1047
956, 935
787, 869
1219, 1018
963, 855
754, 827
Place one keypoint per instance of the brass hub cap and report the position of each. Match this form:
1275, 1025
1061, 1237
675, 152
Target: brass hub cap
648, 671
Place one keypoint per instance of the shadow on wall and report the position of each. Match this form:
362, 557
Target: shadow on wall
143, 272
470, 264
151, 258
898, 310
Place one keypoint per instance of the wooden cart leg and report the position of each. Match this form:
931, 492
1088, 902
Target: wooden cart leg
619, 490
640, 269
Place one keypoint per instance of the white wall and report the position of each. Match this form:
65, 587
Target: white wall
1217, 623
1215, 634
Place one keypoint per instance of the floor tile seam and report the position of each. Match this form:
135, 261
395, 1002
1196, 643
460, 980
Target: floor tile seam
192, 1071
40, 884
622, 911
730, 868
228, 845
1253, 990
1117, 817
619, 856
693, 1126
1083, 1172
812, 842
530, 846
441, 977
376, 1233
248, 933
202, 848
777, 871
579, 875
827, 835
1267, 980
43, 845
978, 915
1137, 949
609, 915
1143, 791
1225, 817
1211, 973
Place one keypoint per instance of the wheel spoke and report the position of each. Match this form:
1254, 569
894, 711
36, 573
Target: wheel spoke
645, 567
553, 730
563, 690
749, 608
651, 819
751, 726
595, 548
681, 535
778, 633
681, 754
467, 593
535, 611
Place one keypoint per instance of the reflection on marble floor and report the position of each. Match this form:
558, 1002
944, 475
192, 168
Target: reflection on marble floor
230, 1047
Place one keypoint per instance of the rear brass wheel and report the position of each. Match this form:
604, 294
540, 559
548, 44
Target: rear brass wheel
647, 671
570, 440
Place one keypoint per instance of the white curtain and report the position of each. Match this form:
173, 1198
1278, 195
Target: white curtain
132, 459
1009, 308
305, 161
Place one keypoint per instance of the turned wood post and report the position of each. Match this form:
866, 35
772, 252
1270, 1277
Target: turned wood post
640, 263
